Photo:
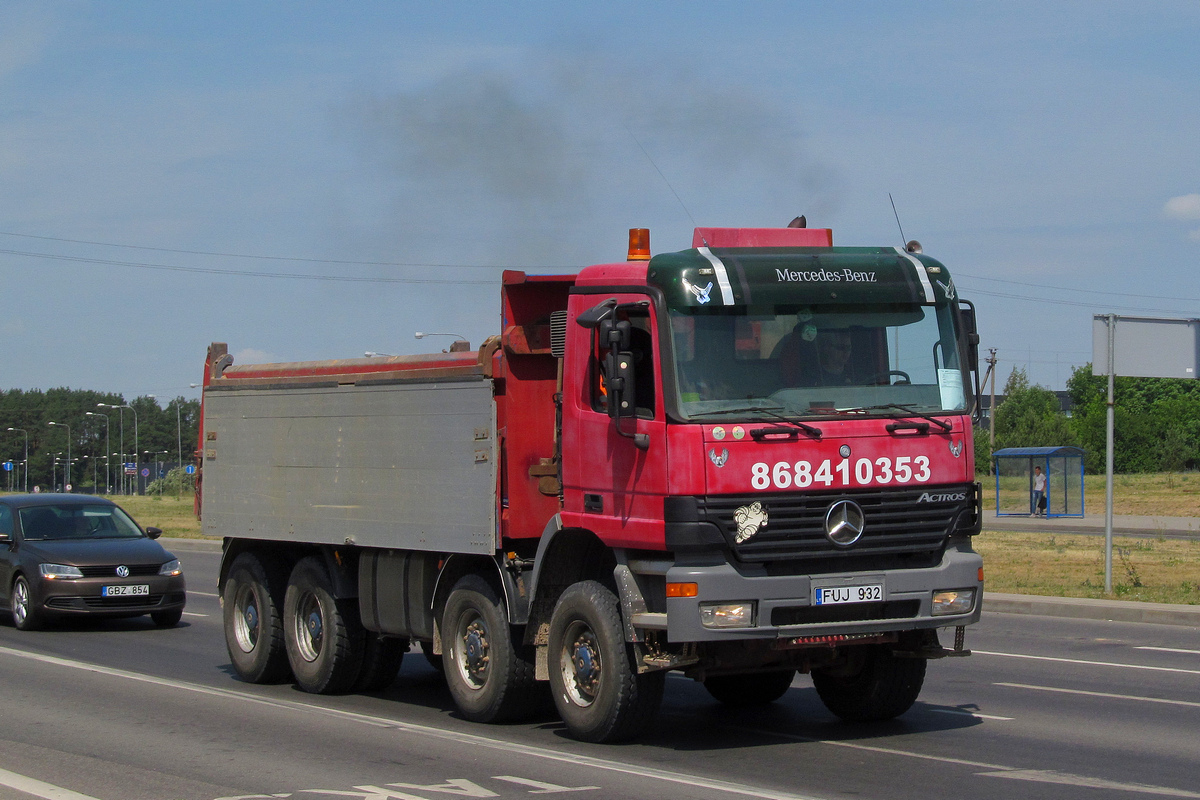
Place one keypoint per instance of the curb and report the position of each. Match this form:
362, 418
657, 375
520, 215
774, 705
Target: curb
191, 545
1084, 608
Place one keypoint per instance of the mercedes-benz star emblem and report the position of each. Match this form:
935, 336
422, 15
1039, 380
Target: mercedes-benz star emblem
122, 571
844, 523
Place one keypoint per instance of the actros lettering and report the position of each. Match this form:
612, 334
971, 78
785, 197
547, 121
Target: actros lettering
862, 472
946, 497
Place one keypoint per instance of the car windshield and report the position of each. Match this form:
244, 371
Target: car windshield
47, 523
817, 361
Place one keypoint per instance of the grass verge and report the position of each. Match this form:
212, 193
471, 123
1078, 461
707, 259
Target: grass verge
173, 514
1067, 565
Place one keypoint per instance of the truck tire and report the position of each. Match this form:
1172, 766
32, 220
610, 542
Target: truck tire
597, 689
382, 656
874, 686
489, 671
324, 640
751, 689
252, 605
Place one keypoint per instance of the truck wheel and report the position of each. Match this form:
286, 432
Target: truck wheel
597, 689
489, 671
382, 656
251, 610
753, 689
25, 614
873, 686
324, 642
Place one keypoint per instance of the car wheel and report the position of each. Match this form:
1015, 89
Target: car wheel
24, 611
489, 671
167, 619
324, 638
597, 688
252, 605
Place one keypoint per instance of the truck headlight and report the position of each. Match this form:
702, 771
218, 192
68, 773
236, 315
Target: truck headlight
955, 601
727, 615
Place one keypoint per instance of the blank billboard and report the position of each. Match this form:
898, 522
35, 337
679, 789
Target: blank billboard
1147, 347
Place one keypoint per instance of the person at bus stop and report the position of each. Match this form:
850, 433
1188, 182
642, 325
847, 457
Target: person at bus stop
1039, 492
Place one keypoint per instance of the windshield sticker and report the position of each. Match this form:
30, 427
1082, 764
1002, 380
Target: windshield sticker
739, 432
951, 387
718, 433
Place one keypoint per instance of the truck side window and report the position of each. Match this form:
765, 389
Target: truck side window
641, 344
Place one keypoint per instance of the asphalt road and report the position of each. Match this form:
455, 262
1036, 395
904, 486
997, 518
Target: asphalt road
1046, 708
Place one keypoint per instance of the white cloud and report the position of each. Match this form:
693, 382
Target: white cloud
1186, 206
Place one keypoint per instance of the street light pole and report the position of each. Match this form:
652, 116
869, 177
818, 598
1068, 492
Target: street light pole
67, 471
107, 477
135, 432
26, 456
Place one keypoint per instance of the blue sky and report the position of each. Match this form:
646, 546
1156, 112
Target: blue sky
383, 161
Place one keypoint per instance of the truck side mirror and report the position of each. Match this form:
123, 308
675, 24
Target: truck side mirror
620, 380
966, 311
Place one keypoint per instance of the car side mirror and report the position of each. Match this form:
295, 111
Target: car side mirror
153, 532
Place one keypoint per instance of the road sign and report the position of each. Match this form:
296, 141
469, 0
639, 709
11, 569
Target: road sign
145, 472
8, 465
190, 469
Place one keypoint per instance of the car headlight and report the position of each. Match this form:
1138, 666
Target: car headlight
727, 615
171, 568
953, 602
54, 571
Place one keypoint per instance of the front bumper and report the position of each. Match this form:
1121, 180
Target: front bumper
785, 609
82, 596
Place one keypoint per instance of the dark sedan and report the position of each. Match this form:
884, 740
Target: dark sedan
67, 555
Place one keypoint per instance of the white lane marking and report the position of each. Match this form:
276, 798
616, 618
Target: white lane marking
1188, 703
994, 770
964, 713
1088, 663
543, 788
203, 594
1169, 650
532, 751
1066, 779
192, 614
32, 786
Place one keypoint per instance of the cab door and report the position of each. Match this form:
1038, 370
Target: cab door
614, 484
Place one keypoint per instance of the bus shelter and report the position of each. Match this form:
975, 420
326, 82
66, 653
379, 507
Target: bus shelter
1015, 475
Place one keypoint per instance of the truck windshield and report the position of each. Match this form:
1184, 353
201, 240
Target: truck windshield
815, 361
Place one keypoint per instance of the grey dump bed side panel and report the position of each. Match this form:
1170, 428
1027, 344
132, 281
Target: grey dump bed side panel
397, 465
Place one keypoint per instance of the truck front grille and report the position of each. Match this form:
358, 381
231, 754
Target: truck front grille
904, 528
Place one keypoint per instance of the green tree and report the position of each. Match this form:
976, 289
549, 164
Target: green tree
1030, 416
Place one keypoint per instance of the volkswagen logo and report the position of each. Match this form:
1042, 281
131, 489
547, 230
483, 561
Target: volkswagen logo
122, 571
844, 523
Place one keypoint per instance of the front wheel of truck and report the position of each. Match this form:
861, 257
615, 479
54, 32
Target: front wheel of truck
872, 685
489, 671
252, 612
596, 685
324, 639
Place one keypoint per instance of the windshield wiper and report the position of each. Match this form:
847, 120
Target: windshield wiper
941, 423
770, 411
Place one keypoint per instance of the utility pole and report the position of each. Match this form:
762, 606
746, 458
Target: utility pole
992, 416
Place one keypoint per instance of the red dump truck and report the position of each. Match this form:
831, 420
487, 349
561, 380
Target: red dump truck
740, 460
